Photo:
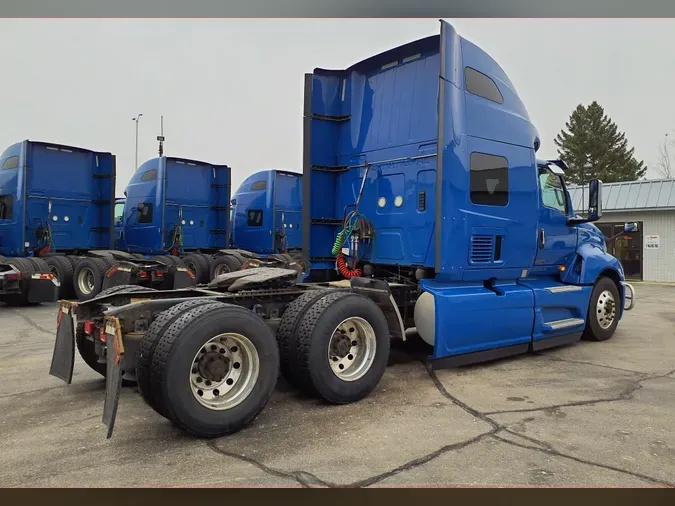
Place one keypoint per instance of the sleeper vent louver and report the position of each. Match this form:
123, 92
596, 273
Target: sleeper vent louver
481, 249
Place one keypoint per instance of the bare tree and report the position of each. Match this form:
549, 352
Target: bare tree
664, 165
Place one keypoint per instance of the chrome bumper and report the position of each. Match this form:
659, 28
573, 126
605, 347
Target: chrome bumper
629, 296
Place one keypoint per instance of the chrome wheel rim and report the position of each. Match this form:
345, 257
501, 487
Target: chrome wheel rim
191, 267
54, 272
351, 350
224, 371
605, 309
86, 281
220, 270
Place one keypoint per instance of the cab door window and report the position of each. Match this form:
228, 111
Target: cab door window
552, 190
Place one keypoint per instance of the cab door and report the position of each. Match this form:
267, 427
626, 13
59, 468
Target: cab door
556, 240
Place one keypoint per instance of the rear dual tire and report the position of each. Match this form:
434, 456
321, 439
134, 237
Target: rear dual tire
238, 371
88, 276
335, 345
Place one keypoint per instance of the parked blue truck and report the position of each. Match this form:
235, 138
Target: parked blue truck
267, 213
189, 216
177, 211
424, 207
56, 216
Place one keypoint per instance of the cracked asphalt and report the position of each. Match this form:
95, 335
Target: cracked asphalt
589, 414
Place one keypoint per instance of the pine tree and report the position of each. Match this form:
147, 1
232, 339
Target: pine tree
593, 147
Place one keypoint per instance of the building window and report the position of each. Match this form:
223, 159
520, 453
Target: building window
11, 163
553, 193
489, 180
144, 213
151, 175
481, 85
6, 207
259, 186
255, 217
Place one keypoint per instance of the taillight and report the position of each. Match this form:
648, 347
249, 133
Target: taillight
159, 274
110, 273
142, 274
13, 277
89, 328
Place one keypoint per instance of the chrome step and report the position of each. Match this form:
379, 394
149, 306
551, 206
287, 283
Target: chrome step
563, 324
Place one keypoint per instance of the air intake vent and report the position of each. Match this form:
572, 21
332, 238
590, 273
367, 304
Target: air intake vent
481, 249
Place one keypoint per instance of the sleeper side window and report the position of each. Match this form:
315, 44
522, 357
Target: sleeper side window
259, 186
255, 217
553, 193
6, 207
144, 214
11, 163
481, 85
489, 180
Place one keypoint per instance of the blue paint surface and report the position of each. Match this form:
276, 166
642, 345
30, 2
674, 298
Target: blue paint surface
67, 189
405, 123
274, 197
183, 193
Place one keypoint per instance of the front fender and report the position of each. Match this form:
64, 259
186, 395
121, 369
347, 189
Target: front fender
594, 262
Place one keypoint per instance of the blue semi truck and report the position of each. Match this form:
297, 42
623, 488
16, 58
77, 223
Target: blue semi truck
56, 217
177, 211
267, 213
424, 206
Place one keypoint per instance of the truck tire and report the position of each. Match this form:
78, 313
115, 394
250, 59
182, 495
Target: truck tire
73, 261
39, 265
240, 258
209, 259
216, 391
124, 288
198, 265
177, 262
224, 264
87, 352
88, 277
149, 342
342, 346
164, 260
288, 328
26, 268
62, 268
603, 311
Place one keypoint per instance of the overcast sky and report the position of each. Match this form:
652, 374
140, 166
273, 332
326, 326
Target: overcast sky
231, 91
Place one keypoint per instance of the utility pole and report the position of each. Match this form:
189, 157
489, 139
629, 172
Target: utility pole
160, 137
136, 158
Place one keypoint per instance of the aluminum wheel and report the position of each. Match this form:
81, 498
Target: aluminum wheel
54, 272
351, 350
220, 270
224, 371
86, 281
606, 309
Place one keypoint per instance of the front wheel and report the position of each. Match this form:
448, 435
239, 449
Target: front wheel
603, 311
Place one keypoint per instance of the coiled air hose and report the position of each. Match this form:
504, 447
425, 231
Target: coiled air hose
345, 270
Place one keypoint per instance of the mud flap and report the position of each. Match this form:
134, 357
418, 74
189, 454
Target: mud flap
182, 278
113, 377
120, 276
63, 357
378, 291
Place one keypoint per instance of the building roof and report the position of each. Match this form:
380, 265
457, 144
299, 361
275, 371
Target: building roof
648, 195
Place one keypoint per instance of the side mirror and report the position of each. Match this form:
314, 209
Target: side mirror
594, 200
233, 202
631, 227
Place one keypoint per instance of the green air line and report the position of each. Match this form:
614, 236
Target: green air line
339, 241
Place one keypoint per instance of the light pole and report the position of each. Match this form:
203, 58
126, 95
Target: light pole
136, 120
